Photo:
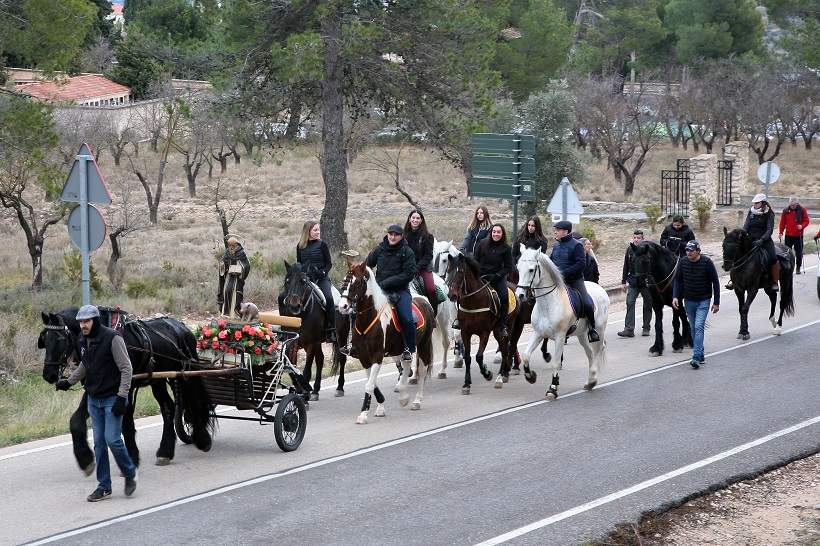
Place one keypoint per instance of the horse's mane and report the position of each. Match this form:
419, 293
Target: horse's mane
736, 234
474, 266
546, 264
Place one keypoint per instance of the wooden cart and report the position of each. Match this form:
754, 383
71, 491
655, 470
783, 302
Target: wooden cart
272, 388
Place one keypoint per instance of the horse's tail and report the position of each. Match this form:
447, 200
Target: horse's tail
787, 293
197, 406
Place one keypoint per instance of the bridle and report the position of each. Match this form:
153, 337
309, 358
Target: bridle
64, 335
665, 283
458, 268
735, 264
530, 290
307, 296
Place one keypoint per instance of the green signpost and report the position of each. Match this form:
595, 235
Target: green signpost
503, 167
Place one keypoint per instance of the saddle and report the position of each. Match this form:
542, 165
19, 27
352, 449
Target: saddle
417, 317
418, 285
495, 302
782, 253
575, 302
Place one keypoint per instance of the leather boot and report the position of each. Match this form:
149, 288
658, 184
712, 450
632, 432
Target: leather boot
592, 333
775, 275
504, 332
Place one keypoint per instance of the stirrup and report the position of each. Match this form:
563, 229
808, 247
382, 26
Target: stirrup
349, 350
456, 325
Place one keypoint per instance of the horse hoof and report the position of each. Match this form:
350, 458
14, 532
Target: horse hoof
379, 413
548, 358
413, 381
531, 377
591, 385
163, 461
339, 393
314, 396
744, 337
396, 388
498, 383
551, 396
489, 376
505, 378
465, 390
654, 353
403, 402
458, 364
776, 331
415, 406
677, 350
361, 420
88, 470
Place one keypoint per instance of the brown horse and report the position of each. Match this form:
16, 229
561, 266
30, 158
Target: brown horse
375, 336
477, 317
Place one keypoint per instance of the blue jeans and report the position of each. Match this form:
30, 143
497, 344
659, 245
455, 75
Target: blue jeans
696, 312
404, 310
107, 429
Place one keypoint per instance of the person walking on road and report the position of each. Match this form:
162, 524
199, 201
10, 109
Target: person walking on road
634, 286
793, 221
697, 283
106, 368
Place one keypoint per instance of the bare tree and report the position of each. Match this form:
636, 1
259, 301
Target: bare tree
99, 57
125, 218
386, 160
227, 201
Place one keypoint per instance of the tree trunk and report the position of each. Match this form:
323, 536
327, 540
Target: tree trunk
334, 163
36, 253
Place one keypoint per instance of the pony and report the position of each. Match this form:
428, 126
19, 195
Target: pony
657, 265
744, 263
553, 316
375, 336
303, 299
474, 300
159, 344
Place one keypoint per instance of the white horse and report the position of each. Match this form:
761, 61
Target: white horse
553, 317
444, 335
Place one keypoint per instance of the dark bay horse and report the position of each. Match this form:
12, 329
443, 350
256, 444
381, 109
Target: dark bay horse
303, 299
160, 344
657, 266
375, 336
743, 262
476, 317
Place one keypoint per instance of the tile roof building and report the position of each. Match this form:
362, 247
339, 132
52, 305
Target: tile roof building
85, 90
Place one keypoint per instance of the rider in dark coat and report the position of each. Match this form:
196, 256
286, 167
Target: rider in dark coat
494, 256
676, 235
532, 237
569, 256
759, 226
395, 267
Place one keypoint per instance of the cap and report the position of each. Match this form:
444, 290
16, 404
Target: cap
87, 312
692, 245
395, 228
563, 224
759, 197
577, 235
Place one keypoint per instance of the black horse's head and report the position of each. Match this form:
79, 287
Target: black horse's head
57, 338
297, 287
643, 259
734, 243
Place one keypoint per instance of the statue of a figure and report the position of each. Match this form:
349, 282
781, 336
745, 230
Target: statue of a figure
233, 270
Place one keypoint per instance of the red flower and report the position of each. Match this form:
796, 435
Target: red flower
221, 323
237, 335
270, 349
206, 332
198, 345
247, 329
214, 345
231, 351
222, 334
257, 351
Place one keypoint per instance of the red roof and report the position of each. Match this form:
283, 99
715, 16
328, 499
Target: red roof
79, 89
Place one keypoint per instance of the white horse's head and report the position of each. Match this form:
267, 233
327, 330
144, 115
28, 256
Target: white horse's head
536, 270
442, 252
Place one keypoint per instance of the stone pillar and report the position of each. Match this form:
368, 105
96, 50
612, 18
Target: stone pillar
703, 181
738, 154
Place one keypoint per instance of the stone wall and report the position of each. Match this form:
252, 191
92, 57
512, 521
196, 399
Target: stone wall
703, 181
738, 154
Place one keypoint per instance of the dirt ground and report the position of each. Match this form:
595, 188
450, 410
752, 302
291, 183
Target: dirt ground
779, 508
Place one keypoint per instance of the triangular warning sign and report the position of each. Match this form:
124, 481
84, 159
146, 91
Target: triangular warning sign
557, 203
97, 191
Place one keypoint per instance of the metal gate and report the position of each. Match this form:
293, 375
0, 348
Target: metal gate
675, 191
724, 193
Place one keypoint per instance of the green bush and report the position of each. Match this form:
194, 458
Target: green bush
72, 268
703, 206
654, 215
142, 288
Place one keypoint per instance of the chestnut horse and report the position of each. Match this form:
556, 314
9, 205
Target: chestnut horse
473, 298
375, 336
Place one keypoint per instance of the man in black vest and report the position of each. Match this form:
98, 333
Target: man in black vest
696, 282
105, 365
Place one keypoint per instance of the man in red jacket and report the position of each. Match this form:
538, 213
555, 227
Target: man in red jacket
793, 220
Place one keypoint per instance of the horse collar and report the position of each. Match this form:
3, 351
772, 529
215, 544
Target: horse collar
373, 323
671, 278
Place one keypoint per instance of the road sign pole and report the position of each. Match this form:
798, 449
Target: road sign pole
564, 207
86, 283
516, 182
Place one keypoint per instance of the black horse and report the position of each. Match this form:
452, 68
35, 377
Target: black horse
743, 262
159, 344
303, 300
657, 266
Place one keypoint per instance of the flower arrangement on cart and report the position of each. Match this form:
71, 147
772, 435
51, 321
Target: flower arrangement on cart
259, 342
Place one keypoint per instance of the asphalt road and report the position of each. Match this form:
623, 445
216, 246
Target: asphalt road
498, 466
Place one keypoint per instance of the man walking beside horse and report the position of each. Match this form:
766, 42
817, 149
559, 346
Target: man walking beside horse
696, 282
793, 221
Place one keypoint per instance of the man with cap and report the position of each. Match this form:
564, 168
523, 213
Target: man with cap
635, 286
106, 368
569, 256
696, 281
395, 266
760, 226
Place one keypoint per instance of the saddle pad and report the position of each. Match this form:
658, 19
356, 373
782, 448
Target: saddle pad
512, 301
417, 316
574, 300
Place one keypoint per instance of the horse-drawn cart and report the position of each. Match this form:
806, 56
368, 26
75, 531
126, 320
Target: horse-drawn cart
246, 366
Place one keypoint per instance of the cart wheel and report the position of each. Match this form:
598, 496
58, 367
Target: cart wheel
183, 429
290, 422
